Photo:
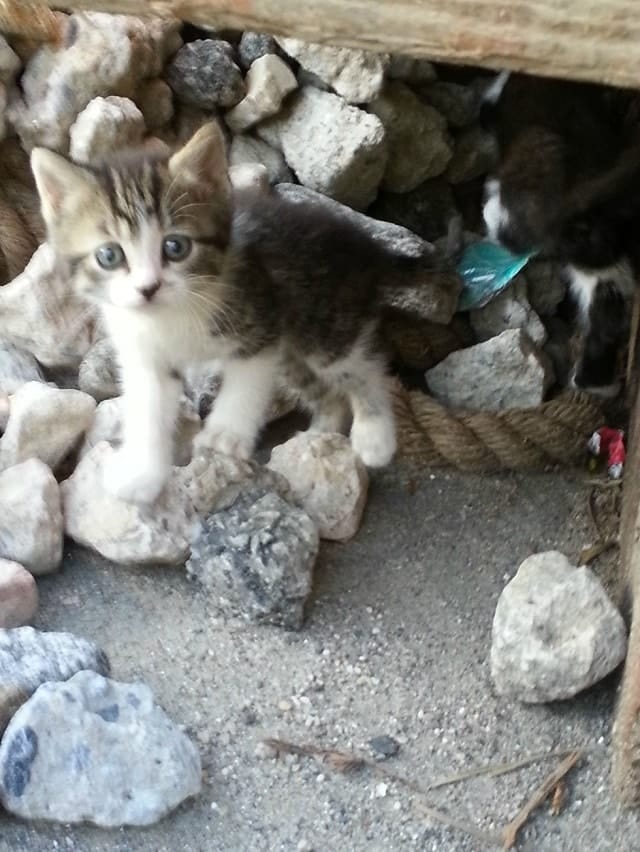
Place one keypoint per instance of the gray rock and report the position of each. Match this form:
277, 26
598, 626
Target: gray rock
40, 312
475, 154
416, 136
555, 631
257, 557
332, 147
509, 309
429, 290
17, 367
45, 423
546, 286
357, 75
410, 69
29, 658
460, 105
504, 372
247, 150
18, 595
104, 126
95, 750
104, 55
203, 73
99, 373
384, 746
327, 479
154, 99
254, 45
134, 534
31, 526
268, 82
426, 211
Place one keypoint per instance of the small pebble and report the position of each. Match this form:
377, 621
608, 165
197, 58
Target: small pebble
384, 746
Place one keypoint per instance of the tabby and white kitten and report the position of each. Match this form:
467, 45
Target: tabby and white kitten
185, 269
558, 190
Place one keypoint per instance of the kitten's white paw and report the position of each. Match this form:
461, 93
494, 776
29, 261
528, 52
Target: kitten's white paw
129, 480
220, 440
374, 440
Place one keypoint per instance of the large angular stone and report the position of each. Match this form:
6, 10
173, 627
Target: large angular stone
416, 135
327, 479
506, 371
31, 526
29, 658
257, 557
203, 73
95, 750
355, 74
268, 83
555, 631
332, 147
45, 423
39, 312
135, 534
99, 373
104, 55
104, 126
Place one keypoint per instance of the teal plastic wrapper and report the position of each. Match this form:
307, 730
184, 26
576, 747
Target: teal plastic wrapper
486, 269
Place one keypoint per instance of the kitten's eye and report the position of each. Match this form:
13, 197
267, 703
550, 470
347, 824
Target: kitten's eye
110, 256
176, 247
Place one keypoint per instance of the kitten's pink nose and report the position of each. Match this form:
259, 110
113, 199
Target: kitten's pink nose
150, 290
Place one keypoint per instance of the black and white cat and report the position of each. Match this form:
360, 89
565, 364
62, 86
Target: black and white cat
567, 187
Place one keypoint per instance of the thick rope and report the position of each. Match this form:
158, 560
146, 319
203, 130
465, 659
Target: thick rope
21, 227
555, 432
31, 21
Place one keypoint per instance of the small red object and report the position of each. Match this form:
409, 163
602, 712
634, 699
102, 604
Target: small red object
610, 441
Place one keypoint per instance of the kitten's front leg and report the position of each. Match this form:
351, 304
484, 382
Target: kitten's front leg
240, 409
139, 469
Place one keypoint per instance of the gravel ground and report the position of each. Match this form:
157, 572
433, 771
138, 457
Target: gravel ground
396, 643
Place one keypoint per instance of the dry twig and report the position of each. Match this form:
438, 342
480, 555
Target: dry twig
510, 831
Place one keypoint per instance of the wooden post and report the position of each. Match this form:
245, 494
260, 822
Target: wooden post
596, 40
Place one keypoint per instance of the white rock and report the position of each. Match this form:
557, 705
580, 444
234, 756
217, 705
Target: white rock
44, 423
99, 374
96, 750
154, 99
17, 367
332, 147
327, 479
104, 55
31, 526
133, 534
105, 125
18, 595
509, 309
504, 372
555, 631
355, 74
40, 312
268, 82
416, 136
247, 150
29, 658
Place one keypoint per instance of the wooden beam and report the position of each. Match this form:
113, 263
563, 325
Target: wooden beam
595, 40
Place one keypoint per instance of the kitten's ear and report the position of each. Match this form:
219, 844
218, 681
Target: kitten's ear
202, 162
61, 184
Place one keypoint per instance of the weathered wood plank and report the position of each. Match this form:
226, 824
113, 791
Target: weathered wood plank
580, 39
